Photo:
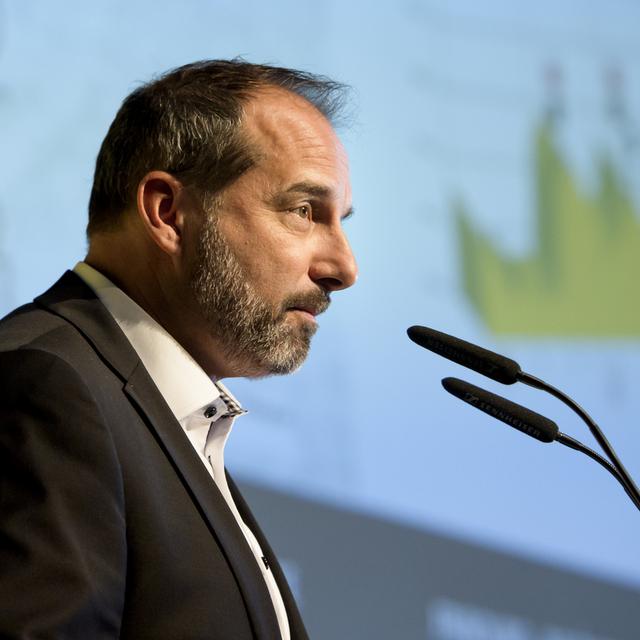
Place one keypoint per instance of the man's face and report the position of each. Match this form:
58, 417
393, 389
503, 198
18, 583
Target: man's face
269, 255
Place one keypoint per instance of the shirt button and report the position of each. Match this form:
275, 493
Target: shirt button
211, 411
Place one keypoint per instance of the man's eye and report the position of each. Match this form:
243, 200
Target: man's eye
304, 211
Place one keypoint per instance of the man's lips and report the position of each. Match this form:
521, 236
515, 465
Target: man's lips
311, 313
313, 306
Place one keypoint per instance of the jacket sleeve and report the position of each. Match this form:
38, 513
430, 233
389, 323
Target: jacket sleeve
62, 523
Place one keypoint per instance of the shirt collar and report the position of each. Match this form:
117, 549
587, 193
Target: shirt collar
186, 388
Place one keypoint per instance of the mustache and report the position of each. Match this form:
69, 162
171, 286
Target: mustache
316, 302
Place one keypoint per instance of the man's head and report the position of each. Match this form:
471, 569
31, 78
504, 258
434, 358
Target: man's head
237, 177
189, 123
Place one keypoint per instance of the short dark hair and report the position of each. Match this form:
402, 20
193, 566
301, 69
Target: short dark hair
188, 122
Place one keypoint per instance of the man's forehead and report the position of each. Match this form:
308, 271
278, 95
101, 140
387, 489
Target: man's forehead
296, 146
278, 118
274, 100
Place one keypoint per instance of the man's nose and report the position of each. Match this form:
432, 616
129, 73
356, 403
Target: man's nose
334, 267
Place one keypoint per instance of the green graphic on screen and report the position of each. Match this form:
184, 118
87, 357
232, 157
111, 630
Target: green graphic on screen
581, 277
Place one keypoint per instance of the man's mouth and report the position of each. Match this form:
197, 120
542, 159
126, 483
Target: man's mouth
309, 313
312, 306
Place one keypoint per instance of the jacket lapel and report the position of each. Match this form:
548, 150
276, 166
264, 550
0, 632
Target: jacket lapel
73, 300
296, 625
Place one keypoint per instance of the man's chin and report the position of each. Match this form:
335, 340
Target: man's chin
279, 349
284, 358
265, 369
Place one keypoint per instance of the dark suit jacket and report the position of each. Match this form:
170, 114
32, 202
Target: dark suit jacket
110, 526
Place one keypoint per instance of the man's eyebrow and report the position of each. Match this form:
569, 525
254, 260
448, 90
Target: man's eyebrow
316, 190
312, 189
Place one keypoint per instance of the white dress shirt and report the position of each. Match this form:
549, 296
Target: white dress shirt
205, 409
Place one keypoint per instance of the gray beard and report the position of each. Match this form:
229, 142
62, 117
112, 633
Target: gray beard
254, 334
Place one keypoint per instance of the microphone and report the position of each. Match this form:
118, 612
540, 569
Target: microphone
508, 371
488, 363
515, 415
526, 421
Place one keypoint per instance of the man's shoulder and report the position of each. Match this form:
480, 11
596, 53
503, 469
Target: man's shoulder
38, 350
44, 352
29, 325
70, 323
36, 327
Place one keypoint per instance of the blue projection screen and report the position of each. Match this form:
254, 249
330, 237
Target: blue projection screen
495, 158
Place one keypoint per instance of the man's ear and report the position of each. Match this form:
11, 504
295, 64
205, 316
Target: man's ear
160, 200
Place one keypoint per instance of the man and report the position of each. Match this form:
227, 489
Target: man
215, 238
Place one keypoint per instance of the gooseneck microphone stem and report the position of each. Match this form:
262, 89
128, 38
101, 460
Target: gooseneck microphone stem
628, 482
570, 442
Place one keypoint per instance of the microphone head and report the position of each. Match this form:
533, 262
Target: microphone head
490, 364
515, 415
